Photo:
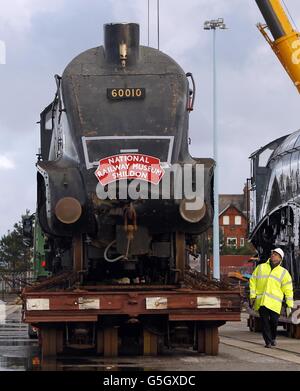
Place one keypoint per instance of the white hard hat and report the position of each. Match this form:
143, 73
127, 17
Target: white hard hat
279, 251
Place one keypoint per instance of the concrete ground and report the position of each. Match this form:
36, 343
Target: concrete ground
240, 350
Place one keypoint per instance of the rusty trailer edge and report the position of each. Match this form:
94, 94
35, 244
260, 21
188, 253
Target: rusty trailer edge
87, 306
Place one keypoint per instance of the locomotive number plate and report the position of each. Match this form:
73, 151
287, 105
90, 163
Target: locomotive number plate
126, 93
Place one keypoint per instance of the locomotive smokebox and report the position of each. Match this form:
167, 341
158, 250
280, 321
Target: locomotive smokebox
122, 43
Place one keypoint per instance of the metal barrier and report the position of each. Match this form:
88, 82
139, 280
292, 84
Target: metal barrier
15, 282
240, 269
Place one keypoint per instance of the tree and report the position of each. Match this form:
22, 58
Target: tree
248, 249
15, 256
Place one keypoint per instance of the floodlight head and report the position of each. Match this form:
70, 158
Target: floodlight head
207, 25
214, 24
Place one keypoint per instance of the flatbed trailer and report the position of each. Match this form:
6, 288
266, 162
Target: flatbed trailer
112, 320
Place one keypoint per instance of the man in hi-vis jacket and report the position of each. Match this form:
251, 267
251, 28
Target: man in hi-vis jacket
269, 284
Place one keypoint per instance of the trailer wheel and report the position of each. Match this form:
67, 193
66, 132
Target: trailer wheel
110, 342
254, 324
250, 323
52, 341
289, 330
293, 331
296, 331
150, 343
208, 340
100, 341
257, 325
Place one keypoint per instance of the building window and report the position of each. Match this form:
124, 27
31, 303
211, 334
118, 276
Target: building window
242, 242
225, 220
237, 220
232, 242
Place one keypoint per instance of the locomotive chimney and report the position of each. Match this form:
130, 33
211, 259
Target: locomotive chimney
122, 43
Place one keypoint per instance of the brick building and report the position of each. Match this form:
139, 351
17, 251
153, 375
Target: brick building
234, 227
233, 222
233, 219
233, 212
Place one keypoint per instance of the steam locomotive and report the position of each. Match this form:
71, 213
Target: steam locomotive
114, 100
275, 201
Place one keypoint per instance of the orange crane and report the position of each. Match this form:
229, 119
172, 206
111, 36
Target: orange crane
284, 39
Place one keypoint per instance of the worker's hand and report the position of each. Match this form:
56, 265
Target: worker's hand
252, 301
288, 311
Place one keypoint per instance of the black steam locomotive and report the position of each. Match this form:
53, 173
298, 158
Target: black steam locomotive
113, 100
275, 201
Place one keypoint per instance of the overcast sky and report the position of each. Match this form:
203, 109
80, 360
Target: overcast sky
257, 102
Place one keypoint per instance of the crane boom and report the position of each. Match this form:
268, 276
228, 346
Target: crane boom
285, 41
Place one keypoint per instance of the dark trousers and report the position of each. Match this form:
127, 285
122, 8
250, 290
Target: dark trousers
269, 320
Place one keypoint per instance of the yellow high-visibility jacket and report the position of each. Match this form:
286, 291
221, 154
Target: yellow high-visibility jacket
269, 287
